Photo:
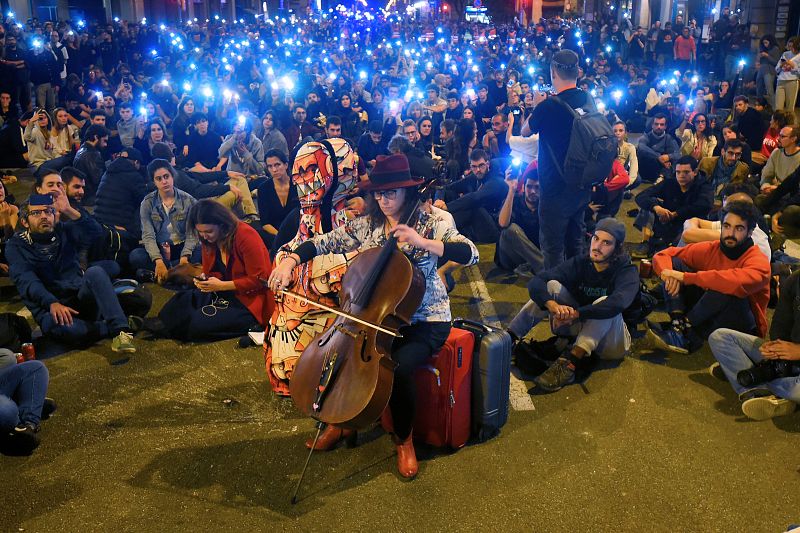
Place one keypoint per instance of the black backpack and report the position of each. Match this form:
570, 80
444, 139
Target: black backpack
592, 147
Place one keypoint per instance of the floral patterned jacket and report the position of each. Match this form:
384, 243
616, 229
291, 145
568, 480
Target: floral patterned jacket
362, 233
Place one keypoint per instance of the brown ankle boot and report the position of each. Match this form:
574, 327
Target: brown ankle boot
406, 457
331, 436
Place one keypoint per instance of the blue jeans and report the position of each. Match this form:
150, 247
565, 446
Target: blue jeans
22, 391
737, 351
96, 299
139, 258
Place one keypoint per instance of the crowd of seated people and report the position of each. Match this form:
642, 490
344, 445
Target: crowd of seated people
150, 158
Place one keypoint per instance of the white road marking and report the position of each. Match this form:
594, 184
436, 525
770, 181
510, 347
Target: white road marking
517, 392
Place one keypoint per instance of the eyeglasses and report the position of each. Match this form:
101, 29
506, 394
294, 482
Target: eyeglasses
42, 212
389, 195
700, 121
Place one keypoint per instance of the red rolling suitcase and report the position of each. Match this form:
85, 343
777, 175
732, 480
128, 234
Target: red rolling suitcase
444, 394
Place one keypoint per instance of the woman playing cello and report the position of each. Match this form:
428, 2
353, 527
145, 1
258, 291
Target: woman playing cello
393, 196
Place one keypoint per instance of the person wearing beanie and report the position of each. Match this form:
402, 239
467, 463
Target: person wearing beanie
586, 297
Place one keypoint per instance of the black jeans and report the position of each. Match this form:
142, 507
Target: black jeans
562, 228
709, 310
670, 232
418, 343
479, 226
650, 168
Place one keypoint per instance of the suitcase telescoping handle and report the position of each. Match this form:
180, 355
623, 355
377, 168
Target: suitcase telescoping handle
476, 325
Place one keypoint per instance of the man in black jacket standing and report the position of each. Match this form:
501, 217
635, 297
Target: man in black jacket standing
561, 207
586, 295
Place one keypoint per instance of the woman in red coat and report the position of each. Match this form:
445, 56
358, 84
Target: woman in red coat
234, 258
228, 298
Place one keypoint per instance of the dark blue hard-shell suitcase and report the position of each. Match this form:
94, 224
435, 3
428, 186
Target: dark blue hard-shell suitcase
491, 376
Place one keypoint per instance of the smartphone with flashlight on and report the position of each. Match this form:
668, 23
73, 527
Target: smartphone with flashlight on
516, 168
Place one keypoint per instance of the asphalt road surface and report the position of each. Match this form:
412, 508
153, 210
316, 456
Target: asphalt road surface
189, 437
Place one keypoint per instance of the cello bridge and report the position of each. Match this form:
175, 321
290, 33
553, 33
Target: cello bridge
343, 329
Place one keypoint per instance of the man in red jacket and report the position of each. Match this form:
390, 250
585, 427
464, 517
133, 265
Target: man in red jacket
714, 284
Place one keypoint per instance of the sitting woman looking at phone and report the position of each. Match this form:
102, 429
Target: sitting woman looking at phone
228, 298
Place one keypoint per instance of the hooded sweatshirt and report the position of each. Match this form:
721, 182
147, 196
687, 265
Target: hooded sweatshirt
619, 283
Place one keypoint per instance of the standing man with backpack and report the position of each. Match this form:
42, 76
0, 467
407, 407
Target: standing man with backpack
568, 160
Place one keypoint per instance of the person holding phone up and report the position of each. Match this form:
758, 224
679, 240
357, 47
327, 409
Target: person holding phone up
518, 246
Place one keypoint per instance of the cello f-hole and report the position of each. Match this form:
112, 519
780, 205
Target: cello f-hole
365, 356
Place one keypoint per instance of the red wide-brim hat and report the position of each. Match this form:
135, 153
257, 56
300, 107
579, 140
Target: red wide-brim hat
390, 172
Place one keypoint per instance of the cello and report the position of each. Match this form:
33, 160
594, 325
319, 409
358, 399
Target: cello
345, 375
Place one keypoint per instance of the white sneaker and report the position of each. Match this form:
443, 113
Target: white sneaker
123, 343
716, 370
767, 407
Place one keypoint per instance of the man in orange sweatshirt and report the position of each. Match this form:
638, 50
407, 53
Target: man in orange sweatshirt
714, 284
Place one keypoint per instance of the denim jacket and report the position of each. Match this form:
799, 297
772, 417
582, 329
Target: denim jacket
154, 223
